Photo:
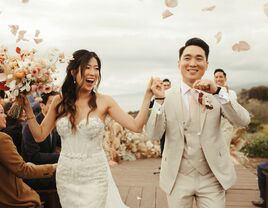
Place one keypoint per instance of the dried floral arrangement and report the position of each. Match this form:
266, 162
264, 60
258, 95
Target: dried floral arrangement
25, 73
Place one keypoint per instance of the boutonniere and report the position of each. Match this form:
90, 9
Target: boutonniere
205, 101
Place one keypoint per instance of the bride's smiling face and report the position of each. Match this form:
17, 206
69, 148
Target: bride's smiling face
89, 77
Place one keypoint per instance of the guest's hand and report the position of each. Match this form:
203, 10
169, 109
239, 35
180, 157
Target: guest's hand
208, 86
54, 166
158, 88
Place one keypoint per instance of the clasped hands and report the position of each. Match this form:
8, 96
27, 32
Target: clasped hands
205, 85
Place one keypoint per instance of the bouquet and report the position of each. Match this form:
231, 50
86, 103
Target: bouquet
26, 74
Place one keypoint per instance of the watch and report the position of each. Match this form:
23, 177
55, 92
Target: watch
217, 91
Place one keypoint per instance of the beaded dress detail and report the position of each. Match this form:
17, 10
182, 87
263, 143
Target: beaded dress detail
83, 176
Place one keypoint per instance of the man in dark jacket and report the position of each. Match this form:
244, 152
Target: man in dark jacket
45, 152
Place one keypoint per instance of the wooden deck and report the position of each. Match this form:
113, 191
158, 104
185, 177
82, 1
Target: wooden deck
138, 185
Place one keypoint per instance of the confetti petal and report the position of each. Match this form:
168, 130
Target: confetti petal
37, 32
18, 50
241, 46
218, 37
171, 3
14, 29
38, 40
21, 36
265, 8
166, 14
244, 46
211, 8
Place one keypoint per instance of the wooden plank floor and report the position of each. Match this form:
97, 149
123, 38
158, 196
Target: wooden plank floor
138, 185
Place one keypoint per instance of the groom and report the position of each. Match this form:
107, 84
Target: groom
196, 163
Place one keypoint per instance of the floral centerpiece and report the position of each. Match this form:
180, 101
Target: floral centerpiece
25, 74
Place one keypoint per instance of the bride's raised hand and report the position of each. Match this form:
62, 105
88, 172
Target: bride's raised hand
157, 88
149, 86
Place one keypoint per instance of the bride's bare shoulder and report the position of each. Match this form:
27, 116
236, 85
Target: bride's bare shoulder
104, 98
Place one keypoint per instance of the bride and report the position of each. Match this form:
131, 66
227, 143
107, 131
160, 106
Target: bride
83, 176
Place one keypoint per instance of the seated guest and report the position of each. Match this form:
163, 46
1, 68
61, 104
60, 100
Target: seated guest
13, 191
45, 152
14, 128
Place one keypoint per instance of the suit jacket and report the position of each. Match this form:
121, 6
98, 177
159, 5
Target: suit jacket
211, 139
13, 191
43, 152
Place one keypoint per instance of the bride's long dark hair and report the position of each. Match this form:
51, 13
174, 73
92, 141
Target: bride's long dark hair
70, 88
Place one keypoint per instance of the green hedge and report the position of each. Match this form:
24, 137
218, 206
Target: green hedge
257, 146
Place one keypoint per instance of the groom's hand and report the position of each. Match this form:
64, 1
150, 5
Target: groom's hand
208, 86
158, 90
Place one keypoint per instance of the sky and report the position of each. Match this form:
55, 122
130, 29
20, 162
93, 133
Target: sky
135, 43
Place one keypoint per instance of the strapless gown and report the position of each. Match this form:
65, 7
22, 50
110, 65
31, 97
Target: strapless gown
83, 176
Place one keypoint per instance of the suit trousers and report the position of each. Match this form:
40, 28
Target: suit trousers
205, 189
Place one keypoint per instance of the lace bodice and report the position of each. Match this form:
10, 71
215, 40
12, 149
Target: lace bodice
83, 176
87, 139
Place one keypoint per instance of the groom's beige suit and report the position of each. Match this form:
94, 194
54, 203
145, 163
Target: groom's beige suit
214, 153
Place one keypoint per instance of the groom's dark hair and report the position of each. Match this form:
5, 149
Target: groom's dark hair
195, 42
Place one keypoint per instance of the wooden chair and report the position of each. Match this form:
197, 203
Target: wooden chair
50, 198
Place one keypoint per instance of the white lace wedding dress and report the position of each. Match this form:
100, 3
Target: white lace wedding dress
83, 176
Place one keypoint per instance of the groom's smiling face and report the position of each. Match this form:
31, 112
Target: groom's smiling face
193, 64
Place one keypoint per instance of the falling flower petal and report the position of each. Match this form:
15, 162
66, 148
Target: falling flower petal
24, 1
38, 40
166, 14
21, 36
37, 32
244, 46
211, 8
218, 37
14, 29
265, 8
18, 50
235, 47
241, 46
171, 3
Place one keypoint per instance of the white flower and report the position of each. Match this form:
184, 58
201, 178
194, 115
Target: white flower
10, 76
204, 100
16, 92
